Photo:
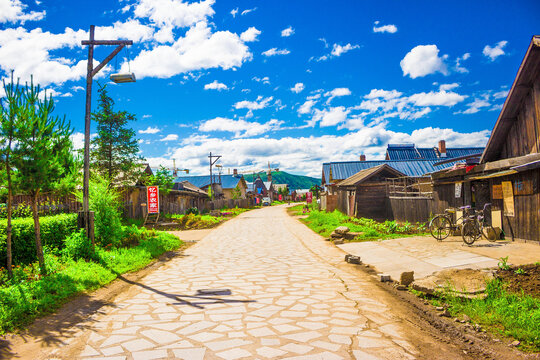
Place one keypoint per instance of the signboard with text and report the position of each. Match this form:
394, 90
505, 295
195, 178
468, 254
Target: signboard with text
280, 197
309, 197
152, 194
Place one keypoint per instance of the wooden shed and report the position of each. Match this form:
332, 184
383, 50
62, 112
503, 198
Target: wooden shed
509, 171
364, 193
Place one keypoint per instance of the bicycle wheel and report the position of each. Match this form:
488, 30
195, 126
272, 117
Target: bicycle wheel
469, 232
489, 233
440, 227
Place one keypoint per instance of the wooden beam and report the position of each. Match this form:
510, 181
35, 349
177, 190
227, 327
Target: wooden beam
107, 42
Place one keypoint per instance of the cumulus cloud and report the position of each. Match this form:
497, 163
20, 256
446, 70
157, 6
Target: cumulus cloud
170, 137
13, 11
198, 49
439, 98
329, 117
150, 130
174, 13
305, 154
287, 32
258, 104
247, 11
264, 80
337, 50
390, 28
240, 128
250, 35
297, 88
459, 67
215, 85
275, 51
305, 108
234, 12
423, 60
494, 52
337, 92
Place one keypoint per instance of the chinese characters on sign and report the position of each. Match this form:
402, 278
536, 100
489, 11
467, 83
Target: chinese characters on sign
458, 188
152, 194
508, 198
309, 197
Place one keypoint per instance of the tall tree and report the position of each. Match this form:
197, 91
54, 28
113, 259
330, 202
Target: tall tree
115, 148
10, 107
44, 154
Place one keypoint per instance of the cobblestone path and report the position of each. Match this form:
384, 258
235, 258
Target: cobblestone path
260, 286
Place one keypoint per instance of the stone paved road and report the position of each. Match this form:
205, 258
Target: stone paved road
280, 300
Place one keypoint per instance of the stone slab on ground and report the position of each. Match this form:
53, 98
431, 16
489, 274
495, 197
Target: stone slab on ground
425, 256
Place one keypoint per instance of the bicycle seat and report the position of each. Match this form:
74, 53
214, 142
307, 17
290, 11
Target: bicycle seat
451, 210
465, 207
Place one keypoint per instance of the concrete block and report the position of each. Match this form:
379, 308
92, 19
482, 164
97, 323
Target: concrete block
354, 259
338, 241
406, 278
342, 230
384, 277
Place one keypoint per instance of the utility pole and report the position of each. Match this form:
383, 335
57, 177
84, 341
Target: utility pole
91, 72
217, 157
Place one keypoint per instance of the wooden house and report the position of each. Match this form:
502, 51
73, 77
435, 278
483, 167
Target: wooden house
364, 194
508, 175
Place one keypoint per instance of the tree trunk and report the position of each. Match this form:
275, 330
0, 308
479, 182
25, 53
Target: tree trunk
39, 248
8, 228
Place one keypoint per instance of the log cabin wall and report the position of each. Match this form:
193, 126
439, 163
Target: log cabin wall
371, 201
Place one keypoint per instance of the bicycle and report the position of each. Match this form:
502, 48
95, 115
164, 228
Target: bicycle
442, 225
475, 226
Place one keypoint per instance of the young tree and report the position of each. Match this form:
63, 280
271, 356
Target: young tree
114, 150
9, 109
44, 154
163, 178
236, 193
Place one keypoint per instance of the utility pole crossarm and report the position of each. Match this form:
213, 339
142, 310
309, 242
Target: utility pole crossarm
107, 42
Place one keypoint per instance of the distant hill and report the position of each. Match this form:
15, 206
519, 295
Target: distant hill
282, 177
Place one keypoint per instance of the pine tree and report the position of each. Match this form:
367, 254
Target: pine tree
115, 148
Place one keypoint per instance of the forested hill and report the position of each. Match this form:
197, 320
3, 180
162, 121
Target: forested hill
282, 177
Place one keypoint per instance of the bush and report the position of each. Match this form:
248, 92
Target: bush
192, 210
54, 230
132, 235
78, 246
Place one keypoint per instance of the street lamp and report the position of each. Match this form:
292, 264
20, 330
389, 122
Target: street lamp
91, 72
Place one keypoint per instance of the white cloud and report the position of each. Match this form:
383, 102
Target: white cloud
149, 130
305, 154
385, 94
215, 85
170, 137
258, 104
305, 108
287, 32
337, 92
384, 28
423, 60
12, 11
77, 138
297, 88
459, 67
495, 51
446, 87
264, 80
234, 12
174, 13
198, 49
250, 34
439, 98
247, 11
338, 50
240, 128
329, 117
500, 94
275, 51
77, 88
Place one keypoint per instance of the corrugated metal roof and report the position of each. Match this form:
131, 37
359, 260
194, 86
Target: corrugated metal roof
345, 169
227, 181
366, 173
410, 152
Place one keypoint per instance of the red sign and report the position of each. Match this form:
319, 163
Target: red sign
257, 200
280, 197
309, 197
152, 194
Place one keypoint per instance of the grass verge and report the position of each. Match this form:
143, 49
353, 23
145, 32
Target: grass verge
501, 312
32, 295
204, 221
325, 223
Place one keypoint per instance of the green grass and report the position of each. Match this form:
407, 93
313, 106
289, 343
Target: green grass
503, 313
325, 223
192, 221
32, 295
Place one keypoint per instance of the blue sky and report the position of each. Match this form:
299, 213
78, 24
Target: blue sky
293, 83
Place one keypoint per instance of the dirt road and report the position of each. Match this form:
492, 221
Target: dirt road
260, 286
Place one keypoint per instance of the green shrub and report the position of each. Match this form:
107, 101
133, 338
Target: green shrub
192, 210
132, 235
54, 229
78, 246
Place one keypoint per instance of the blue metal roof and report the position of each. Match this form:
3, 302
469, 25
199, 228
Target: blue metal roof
227, 181
410, 152
414, 168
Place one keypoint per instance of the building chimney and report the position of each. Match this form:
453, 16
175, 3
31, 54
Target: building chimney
442, 148
362, 157
235, 171
269, 176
